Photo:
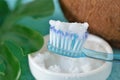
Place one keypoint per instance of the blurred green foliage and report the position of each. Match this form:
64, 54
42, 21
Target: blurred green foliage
17, 39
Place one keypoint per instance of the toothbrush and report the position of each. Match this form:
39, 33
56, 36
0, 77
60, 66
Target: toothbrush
67, 39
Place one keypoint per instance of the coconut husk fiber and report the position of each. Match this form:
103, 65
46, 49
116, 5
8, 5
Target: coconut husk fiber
103, 17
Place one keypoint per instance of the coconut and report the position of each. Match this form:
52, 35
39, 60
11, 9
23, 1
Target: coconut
103, 17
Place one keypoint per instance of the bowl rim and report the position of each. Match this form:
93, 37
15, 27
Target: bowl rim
104, 65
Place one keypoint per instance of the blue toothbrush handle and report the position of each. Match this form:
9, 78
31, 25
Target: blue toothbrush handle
101, 55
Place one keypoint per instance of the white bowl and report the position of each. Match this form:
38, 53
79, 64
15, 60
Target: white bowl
101, 73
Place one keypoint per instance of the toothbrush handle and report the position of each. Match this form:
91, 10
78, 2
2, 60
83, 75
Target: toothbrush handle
101, 55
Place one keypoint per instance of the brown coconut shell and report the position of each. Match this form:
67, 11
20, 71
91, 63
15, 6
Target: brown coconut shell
103, 17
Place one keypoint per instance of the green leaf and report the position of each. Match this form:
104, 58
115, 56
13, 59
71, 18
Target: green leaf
18, 4
28, 39
37, 8
19, 39
4, 10
2, 66
9, 63
23, 60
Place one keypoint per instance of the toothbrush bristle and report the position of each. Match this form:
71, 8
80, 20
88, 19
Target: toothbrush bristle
64, 43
